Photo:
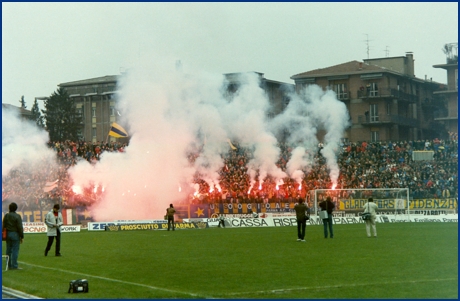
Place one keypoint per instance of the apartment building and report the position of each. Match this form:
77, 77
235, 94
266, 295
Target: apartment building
385, 100
95, 99
448, 115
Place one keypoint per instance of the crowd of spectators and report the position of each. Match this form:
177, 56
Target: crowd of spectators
362, 165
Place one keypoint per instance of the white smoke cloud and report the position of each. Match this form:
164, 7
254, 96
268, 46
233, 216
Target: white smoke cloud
170, 115
309, 111
23, 143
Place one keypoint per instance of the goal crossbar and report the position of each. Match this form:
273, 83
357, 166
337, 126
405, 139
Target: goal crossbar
395, 200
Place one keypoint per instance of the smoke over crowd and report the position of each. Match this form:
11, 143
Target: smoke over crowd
172, 115
23, 143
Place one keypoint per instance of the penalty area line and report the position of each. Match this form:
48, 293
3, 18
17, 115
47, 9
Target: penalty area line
115, 280
337, 286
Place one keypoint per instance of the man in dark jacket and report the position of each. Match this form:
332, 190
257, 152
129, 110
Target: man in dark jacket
327, 206
301, 211
13, 223
170, 214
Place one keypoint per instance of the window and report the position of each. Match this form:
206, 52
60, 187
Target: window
374, 136
112, 111
80, 113
374, 113
341, 90
94, 112
388, 108
372, 89
94, 132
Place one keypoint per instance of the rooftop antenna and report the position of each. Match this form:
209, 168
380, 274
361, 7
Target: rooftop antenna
387, 51
367, 44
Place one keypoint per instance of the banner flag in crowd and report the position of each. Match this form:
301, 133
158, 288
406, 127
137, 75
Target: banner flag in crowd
231, 145
118, 131
51, 183
69, 217
50, 186
199, 211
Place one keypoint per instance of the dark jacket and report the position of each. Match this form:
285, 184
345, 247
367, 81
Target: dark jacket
301, 210
170, 212
330, 206
13, 223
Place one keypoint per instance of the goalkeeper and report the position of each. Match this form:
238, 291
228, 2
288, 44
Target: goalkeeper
371, 207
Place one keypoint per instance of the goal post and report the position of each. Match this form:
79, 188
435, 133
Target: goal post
350, 202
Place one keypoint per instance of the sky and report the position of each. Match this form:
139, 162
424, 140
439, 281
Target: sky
45, 44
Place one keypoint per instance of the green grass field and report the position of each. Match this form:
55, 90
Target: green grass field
407, 260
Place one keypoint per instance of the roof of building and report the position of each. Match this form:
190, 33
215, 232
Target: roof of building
352, 67
92, 81
235, 76
21, 110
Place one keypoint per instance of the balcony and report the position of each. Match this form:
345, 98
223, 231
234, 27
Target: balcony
383, 119
432, 104
387, 93
443, 114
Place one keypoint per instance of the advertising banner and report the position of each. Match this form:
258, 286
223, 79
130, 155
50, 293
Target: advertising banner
151, 226
82, 215
290, 220
34, 227
392, 204
42, 228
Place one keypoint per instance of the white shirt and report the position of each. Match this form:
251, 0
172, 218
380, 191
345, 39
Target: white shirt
371, 207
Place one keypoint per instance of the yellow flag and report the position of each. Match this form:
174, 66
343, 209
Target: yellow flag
230, 143
117, 131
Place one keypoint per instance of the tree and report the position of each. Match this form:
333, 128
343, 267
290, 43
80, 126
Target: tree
37, 116
448, 50
23, 102
62, 120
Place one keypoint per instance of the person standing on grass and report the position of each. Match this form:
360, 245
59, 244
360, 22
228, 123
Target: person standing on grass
54, 222
328, 206
12, 222
301, 211
371, 207
221, 220
170, 214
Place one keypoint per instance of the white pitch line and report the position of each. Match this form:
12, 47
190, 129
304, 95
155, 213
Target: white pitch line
338, 286
114, 280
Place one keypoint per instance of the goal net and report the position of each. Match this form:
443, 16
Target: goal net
350, 202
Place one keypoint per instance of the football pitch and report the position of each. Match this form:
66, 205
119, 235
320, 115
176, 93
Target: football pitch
407, 260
